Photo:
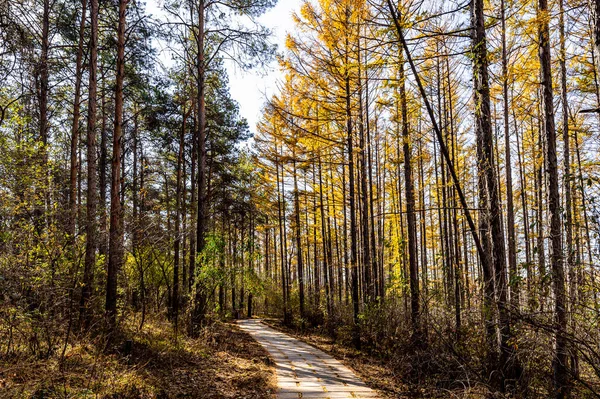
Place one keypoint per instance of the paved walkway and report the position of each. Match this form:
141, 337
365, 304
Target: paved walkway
303, 371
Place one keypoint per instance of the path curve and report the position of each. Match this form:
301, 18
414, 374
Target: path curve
304, 371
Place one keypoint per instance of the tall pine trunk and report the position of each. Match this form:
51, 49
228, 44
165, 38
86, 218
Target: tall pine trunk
71, 224
200, 296
92, 195
115, 250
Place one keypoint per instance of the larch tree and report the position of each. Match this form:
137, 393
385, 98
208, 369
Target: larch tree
560, 359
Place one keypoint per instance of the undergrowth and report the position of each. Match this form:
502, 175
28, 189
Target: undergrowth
223, 362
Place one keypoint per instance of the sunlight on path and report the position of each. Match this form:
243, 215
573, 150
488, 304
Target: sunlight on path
303, 371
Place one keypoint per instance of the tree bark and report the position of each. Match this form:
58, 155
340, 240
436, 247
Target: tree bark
595, 11
299, 263
200, 297
568, 210
43, 90
353, 229
178, 213
75, 127
510, 214
487, 171
102, 163
559, 361
409, 187
115, 250
92, 195
282, 252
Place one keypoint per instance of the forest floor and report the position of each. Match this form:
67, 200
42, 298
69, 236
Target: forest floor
223, 363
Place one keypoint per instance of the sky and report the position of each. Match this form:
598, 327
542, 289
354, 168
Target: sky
252, 89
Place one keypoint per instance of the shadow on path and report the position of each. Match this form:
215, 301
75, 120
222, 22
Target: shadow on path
303, 371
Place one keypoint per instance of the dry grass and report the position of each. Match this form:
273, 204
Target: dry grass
223, 363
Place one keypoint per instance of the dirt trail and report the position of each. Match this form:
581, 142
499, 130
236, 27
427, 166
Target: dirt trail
306, 372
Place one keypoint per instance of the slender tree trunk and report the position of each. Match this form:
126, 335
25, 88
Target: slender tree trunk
338, 261
102, 163
541, 289
595, 11
425, 276
510, 215
115, 250
43, 90
568, 211
280, 211
373, 245
487, 171
184, 235
92, 195
559, 361
353, 228
317, 275
299, 263
326, 245
284, 244
75, 127
410, 212
586, 221
526, 235
440, 139
193, 203
178, 213
364, 196
345, 232
200, 298
43, 79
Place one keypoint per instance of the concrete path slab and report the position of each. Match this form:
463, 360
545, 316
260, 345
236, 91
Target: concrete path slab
304, 371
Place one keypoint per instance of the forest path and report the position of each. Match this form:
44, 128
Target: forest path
303, 371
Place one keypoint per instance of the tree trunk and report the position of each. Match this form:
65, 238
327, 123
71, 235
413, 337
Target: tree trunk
75, 127
541, 289
440, 139
353, 229
102, 162
299, 263
595, 11
410, 212
559, 361
115, 250
200, 297
282, 252
326, 246
43, 83
570, 258
178, 213
92, 195
365, 226
193, 203
510, 214
487, 171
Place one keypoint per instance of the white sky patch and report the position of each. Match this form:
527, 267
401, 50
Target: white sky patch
252, 89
